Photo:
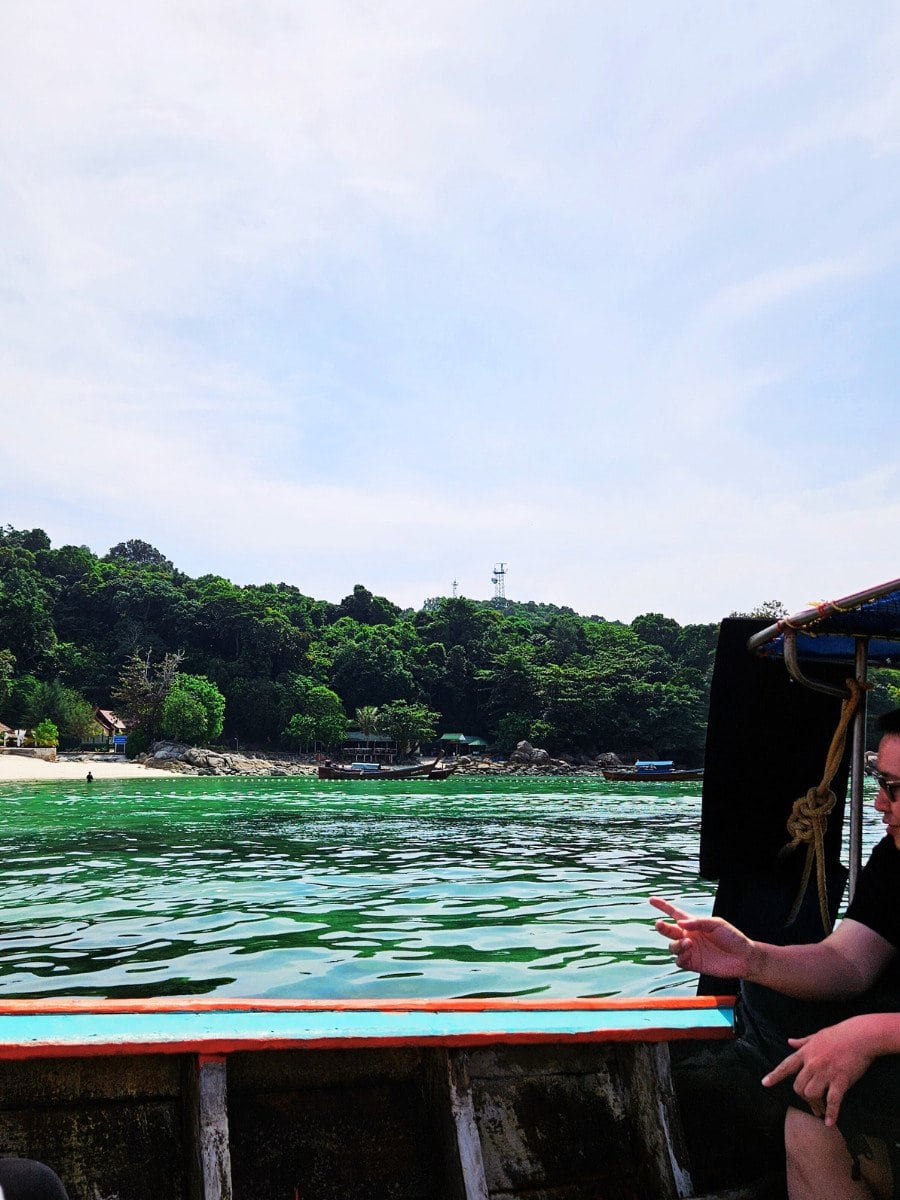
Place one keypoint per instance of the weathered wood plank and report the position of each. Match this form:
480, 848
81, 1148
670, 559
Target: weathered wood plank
207, 1102
576, 1123
654, 1114
468, 1142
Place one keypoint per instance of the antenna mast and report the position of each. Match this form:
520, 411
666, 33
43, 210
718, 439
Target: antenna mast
498, 579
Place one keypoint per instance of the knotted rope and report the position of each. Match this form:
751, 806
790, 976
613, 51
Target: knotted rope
809, 815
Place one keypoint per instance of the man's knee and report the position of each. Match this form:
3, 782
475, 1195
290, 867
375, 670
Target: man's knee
813, 1147
803, 1133
819, 1161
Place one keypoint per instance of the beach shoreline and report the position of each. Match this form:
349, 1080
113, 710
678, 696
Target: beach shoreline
20, 768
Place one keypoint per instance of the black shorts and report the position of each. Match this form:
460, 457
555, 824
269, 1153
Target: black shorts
871, 1107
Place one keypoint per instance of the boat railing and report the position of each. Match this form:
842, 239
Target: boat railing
218, 1099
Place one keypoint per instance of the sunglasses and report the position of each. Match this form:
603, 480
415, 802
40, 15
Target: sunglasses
889, 786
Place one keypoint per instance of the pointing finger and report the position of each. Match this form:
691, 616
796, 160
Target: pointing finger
669, 909
787, 1066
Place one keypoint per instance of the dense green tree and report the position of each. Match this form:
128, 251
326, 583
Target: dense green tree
32, 700
455, 692
564, 639
193, 710
183, 718
135, 553
657, 630
26, 610
367, 609
513, 684
322, 720
24, 539
695, 648
370, 670
7, 669
141, 690
253, 714
46, 733
408, 724
512, 728
461, 622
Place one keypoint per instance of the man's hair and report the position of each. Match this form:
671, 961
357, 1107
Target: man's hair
889, 722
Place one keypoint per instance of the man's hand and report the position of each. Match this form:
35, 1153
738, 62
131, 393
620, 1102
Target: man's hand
826, 1064
705, 944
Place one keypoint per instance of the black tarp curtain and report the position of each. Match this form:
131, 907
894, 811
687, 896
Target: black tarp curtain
767, 742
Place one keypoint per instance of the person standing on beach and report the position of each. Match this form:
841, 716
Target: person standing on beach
843, 1116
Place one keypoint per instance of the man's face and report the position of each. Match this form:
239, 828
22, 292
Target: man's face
889, 769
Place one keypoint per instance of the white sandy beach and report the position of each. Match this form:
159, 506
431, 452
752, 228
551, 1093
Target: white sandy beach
16, 768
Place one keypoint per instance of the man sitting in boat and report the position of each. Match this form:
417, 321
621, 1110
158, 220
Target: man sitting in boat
843, 1116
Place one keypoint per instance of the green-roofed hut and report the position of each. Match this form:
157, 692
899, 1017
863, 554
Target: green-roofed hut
462, 743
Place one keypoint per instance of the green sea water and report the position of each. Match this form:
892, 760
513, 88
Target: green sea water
301, 888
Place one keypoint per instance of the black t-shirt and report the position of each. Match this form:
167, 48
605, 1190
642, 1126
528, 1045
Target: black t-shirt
876, 902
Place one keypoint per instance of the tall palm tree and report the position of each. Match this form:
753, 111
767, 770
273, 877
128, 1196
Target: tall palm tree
367, 720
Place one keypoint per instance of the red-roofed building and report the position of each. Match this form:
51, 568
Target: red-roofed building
110, 723
113, 727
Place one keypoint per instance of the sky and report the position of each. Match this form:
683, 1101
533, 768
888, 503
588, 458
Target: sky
390, 293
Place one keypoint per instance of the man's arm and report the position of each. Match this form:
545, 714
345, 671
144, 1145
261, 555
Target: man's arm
830, 1061
844, 964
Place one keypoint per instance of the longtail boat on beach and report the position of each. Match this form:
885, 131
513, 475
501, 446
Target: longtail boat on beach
468, 1099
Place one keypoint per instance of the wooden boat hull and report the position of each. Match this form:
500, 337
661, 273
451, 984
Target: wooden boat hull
419, 771
441, 772
249, 1100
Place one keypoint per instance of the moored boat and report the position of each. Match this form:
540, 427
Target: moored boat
652, 771
441, 772
376, 771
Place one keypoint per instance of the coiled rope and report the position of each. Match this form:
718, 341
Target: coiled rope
809, 815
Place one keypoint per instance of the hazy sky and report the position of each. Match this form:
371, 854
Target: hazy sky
390, 292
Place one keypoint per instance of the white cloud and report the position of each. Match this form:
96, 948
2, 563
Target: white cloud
342, 293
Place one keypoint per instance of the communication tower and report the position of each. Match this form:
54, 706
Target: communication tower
455, 586
498, 579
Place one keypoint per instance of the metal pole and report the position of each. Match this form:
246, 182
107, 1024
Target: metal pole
792, 662
857, 766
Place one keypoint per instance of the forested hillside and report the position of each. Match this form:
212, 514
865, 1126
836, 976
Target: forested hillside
292, 669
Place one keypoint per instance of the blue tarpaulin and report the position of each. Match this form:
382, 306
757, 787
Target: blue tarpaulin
828, 631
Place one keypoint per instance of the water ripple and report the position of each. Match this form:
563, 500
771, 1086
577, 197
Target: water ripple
293, 887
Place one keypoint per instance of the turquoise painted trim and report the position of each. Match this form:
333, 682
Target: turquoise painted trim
149, 1029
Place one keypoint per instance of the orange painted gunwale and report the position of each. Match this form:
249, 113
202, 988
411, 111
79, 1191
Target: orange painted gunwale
217, 1047
179, 1004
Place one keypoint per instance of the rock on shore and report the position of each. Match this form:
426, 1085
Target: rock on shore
526, 759
193, 760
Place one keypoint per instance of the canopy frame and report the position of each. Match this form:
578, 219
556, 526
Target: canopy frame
845, 630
